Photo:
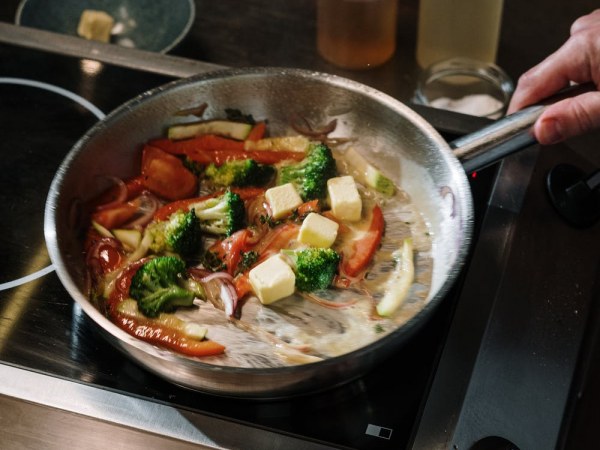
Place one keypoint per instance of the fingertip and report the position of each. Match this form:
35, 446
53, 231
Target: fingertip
548, 130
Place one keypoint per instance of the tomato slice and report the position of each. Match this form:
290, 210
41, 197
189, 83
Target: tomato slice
229, 250
116, 216
276, 239
166, 176
363, 249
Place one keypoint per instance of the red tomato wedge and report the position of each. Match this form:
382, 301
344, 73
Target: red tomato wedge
116, 216
166, 176
363, 249
229, 250
276, 239
165, 211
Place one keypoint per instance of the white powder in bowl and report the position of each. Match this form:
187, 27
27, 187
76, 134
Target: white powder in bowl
475, 105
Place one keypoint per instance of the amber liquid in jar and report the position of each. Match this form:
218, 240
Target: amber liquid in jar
356, 34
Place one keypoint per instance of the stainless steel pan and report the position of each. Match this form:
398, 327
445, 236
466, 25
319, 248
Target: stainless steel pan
404, 144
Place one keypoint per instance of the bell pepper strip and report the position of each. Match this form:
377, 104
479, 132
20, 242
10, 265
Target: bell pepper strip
202, 143
103, 254
364, 248
165, 211
150, 330
215, 149
134, 186
166, 176
116, 216
157, 334
242, 285
257, 132
307, 207
276, 239
229, 250
120, 291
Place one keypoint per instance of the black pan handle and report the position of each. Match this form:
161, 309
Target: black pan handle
507, 135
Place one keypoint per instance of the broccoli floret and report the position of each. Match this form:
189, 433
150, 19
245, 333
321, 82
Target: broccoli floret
180, 233
314, 267
156, 286
310, 175
243, 172
221, 215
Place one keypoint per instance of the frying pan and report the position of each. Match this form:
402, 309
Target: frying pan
408, 149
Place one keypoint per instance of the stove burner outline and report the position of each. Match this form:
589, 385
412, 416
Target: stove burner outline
77, 99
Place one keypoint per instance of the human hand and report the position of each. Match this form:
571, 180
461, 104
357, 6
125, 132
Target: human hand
577, 61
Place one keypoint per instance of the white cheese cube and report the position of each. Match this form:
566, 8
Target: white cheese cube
344, 198
318, 231
283, 200
272, 280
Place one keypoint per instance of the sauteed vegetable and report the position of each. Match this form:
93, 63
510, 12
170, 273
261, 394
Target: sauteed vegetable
228, 232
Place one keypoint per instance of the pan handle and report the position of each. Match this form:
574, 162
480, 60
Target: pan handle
507, 135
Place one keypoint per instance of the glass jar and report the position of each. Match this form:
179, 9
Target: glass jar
466, 86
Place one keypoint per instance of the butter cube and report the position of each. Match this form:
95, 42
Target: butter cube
344, 198
272, 280
318, 231
283, 200
95, 25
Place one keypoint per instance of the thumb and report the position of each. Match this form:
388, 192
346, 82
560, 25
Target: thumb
568, 118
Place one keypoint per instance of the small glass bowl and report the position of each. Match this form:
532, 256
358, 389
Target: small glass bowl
465, 85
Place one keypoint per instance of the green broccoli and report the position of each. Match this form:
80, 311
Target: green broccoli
180, 233
222, 215
310, 175
156, 286
243, 172
314, 267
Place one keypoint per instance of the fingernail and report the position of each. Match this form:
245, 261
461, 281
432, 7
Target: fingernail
550, 132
